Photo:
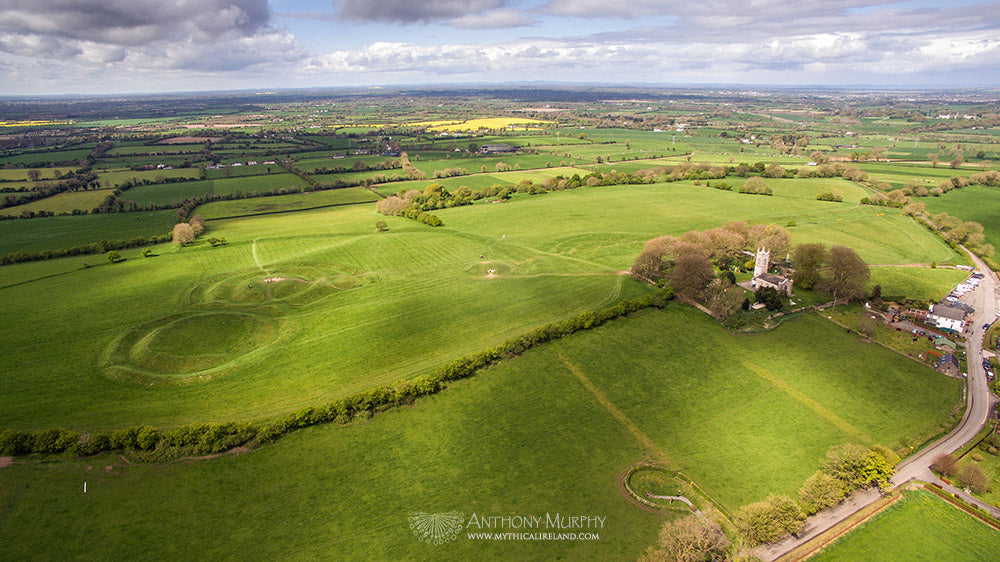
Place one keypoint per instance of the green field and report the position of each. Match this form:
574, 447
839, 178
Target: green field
344, 290
916, 283
52, 233
54, 157
723, 407
62, 203
282, 203
920, 526
307, 302
972, 203
162, 194
113, 178
474, 453
609, 224
513, 441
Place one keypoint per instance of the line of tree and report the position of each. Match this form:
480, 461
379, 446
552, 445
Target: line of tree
72, 181
846, 468
101, 247
149, 443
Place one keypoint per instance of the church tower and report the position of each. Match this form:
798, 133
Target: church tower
763, 261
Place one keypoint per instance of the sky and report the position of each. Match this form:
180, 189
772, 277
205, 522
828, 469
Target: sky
148, 46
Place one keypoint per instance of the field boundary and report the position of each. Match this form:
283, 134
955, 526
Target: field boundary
836, 532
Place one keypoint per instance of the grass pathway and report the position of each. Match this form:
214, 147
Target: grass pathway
614, 411
815, 406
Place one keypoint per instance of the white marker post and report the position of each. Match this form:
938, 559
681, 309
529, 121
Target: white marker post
84, 487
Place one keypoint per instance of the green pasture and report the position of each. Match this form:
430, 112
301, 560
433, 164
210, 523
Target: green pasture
475, 165
42, 157
114, 178
608, 225
21, 174
52, 233
281, 203
156, 149
241, 171
477, 181
338, 289
143, 160
749, 415
513, 441
919, 283
898, 175
62, 203
920, 526
972, 203
809, 188
162, 194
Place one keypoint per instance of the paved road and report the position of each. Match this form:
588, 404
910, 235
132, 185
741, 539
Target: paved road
979, 400
917, 467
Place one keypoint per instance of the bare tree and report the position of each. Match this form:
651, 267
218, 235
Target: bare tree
690, 539
945, 464
197, 225
183, 233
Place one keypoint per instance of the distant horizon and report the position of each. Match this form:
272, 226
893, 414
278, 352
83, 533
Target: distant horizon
374, 89
93, 47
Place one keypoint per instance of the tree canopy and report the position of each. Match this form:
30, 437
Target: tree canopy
846, 274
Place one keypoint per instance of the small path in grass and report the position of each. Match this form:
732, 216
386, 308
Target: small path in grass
813, 405
615, 412
6, 461
256, 258
673, 498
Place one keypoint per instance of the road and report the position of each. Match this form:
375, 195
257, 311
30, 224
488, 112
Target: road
917, 466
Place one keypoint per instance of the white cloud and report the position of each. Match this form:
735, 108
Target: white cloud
183, 34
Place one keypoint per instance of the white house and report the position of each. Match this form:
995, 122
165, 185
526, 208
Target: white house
947, 318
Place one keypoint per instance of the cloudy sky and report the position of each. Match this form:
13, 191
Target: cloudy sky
125, 46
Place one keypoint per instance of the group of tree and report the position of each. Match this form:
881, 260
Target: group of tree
755, 186
846, 468
838, 271
185, 233
957, 231
969, 474
407, 204
722, 247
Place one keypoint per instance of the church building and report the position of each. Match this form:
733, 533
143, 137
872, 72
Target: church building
761, 278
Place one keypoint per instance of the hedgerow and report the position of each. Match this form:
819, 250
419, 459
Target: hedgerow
150, 443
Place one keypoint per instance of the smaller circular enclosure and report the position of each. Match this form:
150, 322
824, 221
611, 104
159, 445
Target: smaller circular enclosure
189, 345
